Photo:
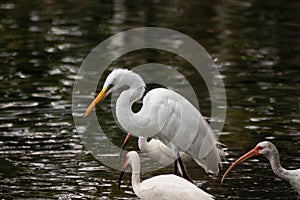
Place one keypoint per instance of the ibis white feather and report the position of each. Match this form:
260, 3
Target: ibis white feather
270, 151
162, 187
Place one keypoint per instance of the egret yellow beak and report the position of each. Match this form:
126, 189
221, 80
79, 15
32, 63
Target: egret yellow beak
97, 100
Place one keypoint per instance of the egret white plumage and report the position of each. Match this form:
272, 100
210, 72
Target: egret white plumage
162, 187
160, 152
269, 150
165, 114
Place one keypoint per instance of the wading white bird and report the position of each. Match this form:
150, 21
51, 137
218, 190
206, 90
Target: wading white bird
162, 187
161, 153
270, 151
165, 114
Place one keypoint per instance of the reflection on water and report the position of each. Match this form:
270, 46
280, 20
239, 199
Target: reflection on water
256, 47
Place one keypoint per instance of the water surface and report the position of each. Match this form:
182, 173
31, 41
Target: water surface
254, 43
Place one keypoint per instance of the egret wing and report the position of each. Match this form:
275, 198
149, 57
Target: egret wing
181, 124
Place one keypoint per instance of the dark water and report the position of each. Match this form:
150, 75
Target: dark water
42, 44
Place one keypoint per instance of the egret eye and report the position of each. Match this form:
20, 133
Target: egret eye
109, 87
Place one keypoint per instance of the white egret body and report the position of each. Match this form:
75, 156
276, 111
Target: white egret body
162, 187
269, 150
165, 114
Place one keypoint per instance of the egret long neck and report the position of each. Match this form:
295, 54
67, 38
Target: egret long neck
129, 120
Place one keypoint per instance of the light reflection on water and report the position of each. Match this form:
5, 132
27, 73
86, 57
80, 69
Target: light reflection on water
255, 45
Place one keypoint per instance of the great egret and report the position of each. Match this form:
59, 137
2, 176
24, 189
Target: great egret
165, 114
270, 151
162, 187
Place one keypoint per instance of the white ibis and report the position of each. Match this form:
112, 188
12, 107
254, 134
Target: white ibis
165, 114
270, 151
161, 153
162, 187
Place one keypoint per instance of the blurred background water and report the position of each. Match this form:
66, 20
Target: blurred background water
255, 44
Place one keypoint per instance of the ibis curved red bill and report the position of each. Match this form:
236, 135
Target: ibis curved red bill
128, 136
97, 100
251, 153
125, 166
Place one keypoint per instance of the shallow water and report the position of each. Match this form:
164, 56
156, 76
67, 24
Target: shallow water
254, 43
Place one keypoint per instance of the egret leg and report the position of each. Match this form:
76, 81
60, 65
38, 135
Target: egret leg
185, 175
176, 156
181, 167
176, 167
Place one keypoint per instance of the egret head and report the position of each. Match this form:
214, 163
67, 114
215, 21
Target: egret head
120, 77
115, 80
